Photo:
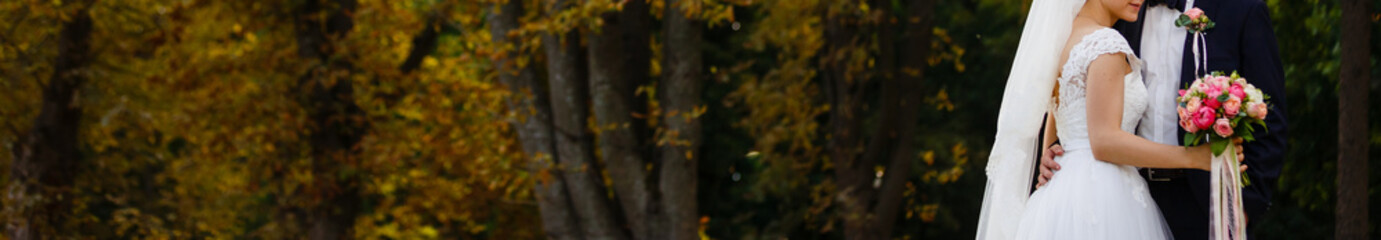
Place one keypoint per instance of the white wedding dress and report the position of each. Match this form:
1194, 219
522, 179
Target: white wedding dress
1088, 198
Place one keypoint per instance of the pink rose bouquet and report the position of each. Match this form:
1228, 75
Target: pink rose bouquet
1217, 108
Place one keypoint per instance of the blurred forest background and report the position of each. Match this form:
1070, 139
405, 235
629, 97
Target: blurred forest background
562, 119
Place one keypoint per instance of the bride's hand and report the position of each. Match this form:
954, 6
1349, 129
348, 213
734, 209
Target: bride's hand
1207, 165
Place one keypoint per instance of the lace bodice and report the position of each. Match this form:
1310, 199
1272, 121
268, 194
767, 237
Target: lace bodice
1071, 117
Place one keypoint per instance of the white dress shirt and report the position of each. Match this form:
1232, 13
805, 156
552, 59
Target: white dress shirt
1162, 49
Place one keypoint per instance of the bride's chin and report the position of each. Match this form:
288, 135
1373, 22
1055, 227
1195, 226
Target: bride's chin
1130, 18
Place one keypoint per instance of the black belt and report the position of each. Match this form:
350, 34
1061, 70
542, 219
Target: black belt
1161, 174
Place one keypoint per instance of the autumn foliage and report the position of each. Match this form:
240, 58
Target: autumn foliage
521, 119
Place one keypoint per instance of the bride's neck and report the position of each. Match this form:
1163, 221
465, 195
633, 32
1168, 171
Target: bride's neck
1097, 14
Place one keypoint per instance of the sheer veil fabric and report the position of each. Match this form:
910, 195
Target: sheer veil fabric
1025, 101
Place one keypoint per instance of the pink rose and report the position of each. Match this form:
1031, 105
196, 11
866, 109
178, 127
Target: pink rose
1193, 105
1237, 91
1223, 127
1232, 106
1182, 91
1256, 110
1212, 101
1188, 126
1222, 83
1203, 119
1186, 119
1194, 13
1212, 89
1184, 113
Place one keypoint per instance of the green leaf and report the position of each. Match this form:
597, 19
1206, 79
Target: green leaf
1246, 181
1182, 21
1248, 127
1190, 139
1218, 144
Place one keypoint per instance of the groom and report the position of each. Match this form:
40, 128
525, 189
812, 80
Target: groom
1242, 41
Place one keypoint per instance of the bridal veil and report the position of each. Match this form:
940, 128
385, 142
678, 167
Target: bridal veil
1024, 102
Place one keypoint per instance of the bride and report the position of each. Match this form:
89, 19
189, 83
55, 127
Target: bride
1073, 54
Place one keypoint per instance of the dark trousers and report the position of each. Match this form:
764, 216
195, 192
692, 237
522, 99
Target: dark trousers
1187, 218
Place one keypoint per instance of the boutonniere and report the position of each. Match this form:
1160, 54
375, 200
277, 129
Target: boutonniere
1194, 20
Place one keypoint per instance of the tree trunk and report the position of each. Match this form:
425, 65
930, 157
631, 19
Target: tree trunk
339, 122
869, 202
914, 49
618, 62
574, 144
1352, 121
845, 91
533, 124
422, 45
46, 158
680, 95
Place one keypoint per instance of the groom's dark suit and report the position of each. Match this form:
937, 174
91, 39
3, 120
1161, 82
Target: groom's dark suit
1242, 40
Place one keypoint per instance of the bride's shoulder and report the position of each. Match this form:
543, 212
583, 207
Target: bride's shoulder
1105, 39
1109, 50
1106, 34
1081, 31
1112, 34
1098, 34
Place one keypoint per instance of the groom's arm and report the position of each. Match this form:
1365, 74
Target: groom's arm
1049, 149
1261, 66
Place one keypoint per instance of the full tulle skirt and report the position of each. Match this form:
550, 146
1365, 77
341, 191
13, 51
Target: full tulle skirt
1091, 199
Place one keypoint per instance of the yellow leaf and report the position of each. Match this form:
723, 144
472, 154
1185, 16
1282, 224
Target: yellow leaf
413, 114
429, 62
928, 157
428, 231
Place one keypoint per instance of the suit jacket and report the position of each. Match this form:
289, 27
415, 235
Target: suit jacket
1244, 41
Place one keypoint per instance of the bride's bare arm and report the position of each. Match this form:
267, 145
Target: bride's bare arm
1109, 142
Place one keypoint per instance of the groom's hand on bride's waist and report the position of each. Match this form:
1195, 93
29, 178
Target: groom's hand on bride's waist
1048, 164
